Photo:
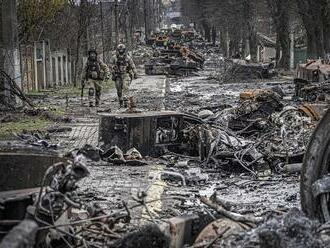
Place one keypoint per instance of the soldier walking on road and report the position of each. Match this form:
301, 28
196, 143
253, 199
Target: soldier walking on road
123, 71
94, 73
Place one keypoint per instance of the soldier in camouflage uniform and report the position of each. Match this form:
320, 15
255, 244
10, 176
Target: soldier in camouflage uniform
94, 73
123, 71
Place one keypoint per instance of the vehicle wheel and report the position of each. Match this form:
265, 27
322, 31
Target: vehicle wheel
316, 165
148, 71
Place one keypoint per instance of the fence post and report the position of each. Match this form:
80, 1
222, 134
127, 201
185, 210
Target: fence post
56, 69
44, 64
35, 63
62, 70
66, 67
51, 79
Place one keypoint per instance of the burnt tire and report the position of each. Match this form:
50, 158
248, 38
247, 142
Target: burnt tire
148, 71
315, 165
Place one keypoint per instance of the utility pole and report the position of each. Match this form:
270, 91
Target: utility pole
1, 44
159, 14
102, 30
10, 62
292, 41
145, 20
110, 26
116, 22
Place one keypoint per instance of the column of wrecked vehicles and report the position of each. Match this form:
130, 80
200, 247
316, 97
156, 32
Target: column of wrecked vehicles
174, 54
179, 52
39, 195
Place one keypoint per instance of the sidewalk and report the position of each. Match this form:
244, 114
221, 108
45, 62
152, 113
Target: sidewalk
148, 92
109, 186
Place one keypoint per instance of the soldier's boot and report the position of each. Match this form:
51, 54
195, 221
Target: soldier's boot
120, 99
91, 93
97, 98
125, 102
121, 102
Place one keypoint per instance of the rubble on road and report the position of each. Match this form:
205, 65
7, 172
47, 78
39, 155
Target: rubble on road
220, 171
292, 230
142, 54
172, 56
112, 156
47, 114
36, 139
314, 71
312, 92
236, 70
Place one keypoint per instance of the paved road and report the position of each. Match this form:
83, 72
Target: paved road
148, 92
109, 186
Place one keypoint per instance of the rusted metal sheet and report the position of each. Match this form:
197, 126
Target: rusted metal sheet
313, 71
22, 169
181, 230
19, 169
222, 226
14, 203
148, 132
314, 111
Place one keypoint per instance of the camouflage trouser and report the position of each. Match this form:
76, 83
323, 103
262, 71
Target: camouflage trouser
122, 85
94, 91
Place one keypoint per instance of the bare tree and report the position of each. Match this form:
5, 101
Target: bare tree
85, 12
279, 10
315, 17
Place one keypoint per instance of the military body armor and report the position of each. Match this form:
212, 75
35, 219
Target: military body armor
94, 70
122, 65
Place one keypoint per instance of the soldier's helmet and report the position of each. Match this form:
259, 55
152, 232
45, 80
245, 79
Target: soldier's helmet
92, 53
121, 49
92, 50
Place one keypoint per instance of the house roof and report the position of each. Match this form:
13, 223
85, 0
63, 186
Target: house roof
265, 41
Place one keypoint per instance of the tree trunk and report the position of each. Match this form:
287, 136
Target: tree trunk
284, 41
253, 46
81, 38
214, 35
326, 35
1, 43
280, 14
250, 16
207, 31
278, 49
315, 44
223, 40
319, 41
312, 14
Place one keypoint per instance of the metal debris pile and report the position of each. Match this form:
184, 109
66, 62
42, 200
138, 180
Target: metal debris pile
237, 70
210, 172
292, 230
142, 54
112, 156
174, 54
60, 216
312, 92
258, 132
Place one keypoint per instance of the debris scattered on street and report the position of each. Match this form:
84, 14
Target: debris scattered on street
164, 124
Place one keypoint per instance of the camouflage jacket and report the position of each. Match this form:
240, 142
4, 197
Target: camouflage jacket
122, 65
97, 71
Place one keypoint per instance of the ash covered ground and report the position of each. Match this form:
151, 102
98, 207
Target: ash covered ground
261, 195
246, 171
